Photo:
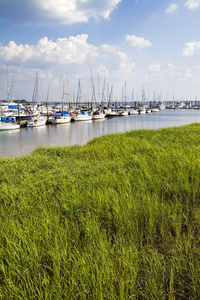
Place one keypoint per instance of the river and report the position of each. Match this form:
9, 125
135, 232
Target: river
23, 141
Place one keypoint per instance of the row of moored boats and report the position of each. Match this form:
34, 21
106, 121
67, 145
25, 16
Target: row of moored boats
36, 118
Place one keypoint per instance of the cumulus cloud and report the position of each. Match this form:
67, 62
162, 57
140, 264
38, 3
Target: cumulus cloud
171, 9
72, 50
73, 54
43, 12
191, 49
192, 4
139, 42
155, 68
118, 61
125, 65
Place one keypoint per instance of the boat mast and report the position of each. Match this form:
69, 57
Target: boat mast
132, 96
98, 89
7, 84
103, 93
12, 94
68, 91
125, 94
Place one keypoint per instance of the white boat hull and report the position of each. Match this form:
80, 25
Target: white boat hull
133, 112
9, 126
61, 120
143, 111
82, 117
161, 107
37, 122
123, 113
155, 110
98, 116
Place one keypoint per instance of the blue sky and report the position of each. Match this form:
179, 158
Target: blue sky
148, 44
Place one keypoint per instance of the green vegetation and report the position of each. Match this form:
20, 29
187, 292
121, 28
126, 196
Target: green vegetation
118, 218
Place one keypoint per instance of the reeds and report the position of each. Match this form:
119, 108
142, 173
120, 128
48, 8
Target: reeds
118, 218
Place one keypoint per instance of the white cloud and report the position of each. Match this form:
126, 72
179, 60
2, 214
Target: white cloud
155, 68
125, 63
191, 49
192, 4
139, 42
40, 12
171, 9
120, 64
73, 55
72, 50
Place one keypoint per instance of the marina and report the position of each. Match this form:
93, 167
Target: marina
19, 142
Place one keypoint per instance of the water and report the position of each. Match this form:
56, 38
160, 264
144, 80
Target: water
23, 141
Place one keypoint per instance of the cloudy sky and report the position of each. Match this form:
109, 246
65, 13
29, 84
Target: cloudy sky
136, 44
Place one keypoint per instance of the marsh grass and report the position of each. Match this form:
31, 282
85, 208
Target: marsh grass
118, 218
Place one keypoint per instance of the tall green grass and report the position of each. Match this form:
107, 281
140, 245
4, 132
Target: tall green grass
118, 218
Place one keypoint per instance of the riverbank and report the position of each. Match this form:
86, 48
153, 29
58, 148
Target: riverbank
117, 218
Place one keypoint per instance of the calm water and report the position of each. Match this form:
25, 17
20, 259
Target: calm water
23, 141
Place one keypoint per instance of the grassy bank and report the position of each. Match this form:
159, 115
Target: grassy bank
118, 218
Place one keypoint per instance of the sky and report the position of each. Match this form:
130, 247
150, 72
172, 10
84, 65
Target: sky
115, 48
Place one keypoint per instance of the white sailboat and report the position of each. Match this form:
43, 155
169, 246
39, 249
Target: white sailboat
60, 119
154, 109
122, 113
79, 114
161, 106
111, 112
133, 111
38, 120
82, 116
61, 116
98, 115
9, 124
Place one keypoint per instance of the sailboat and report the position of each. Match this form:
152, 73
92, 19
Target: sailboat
38, 120
98, 113
123, 111
81, 115
61, 117
10, 123
9, 126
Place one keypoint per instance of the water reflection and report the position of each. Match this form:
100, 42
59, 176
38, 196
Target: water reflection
24, 141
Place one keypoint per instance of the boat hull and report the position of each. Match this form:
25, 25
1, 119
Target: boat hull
37, 122
62, 120
9, 126
98, 116
133, 112
123, 114
82, 118
142, 112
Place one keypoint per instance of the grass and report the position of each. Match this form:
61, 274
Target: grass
118, 218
